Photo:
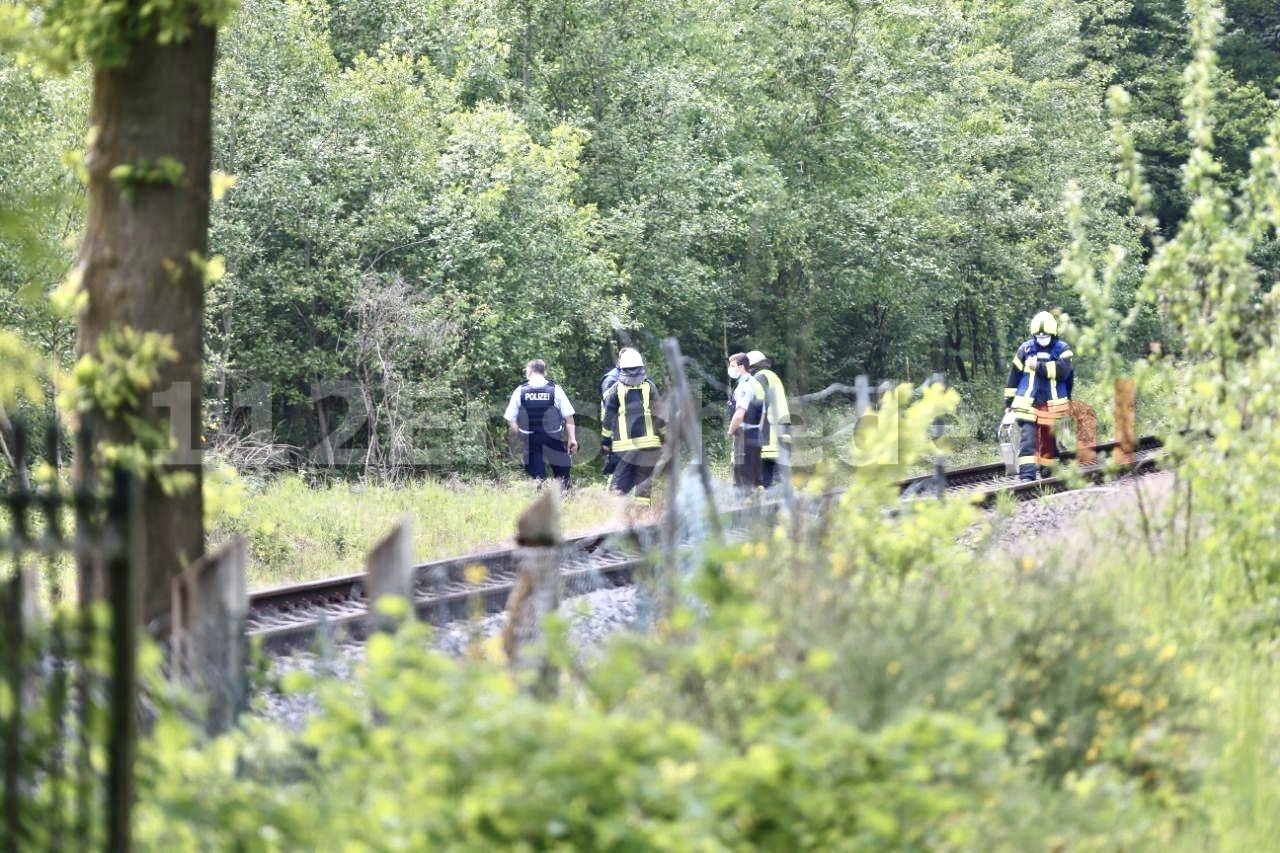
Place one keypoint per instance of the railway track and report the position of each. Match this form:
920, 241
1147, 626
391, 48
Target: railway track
289, 617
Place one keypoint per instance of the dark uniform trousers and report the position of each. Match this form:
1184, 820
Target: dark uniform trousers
1036, 443
746, 458
542, 450
635, 471
772, 471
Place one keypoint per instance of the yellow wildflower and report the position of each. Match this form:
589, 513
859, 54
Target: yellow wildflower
1128, 698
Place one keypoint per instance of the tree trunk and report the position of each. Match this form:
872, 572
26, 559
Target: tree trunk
955, 342
974, 339
993, 337
137, 270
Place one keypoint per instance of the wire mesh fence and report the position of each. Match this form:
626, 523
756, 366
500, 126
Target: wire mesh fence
68, 696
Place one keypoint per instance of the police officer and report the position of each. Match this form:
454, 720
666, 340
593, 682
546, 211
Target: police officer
747, 413
775, 429
541, 413
631, 427
1038, 392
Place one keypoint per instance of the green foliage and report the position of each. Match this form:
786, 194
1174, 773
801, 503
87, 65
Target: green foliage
877, 196
421, 246
410, 762
129, 178
61, 33
300, 532
124, 368
114, 382
43, 118
53, 730
433, 192
855, 686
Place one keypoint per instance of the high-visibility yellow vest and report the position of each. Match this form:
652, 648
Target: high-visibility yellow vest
777, 414
629, 420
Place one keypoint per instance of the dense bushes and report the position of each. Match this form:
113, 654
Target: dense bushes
861, 686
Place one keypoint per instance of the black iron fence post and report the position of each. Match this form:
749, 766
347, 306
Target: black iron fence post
120, 516
66, 699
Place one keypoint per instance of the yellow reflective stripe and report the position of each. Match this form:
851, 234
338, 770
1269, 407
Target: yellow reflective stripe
1011, 392
1017, 362
775, 410
1066, 353
648, 411
624, 428
625, 440
766, 418
779, 396
1026, 460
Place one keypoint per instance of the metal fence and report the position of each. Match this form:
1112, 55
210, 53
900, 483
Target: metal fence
68, 701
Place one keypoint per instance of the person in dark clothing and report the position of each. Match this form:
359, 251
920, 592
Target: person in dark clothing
746, 414
606, 382
631, 428
1039, 392
540, 411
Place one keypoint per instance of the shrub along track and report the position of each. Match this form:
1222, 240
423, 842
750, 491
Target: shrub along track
289, 617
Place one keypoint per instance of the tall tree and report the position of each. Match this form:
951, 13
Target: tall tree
142, 266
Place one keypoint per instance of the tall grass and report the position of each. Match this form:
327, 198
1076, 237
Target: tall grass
301, 532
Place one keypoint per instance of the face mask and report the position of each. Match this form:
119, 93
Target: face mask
734, 372
1043, 340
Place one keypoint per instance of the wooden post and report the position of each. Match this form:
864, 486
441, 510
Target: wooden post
210, 603
537, 590
861, 396
1124, 418
389, 571
1086, 424
691, 429
666, 573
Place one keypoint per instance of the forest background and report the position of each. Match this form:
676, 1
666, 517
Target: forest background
851, 188
426, 194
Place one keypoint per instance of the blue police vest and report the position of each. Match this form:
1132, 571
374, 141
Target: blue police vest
538, 408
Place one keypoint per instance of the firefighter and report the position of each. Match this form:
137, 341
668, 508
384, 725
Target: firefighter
1039, 392
775, 430
606, 382
541, 413
747, 414
631, 427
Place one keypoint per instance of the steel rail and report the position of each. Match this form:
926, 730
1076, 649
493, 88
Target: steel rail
285, 618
